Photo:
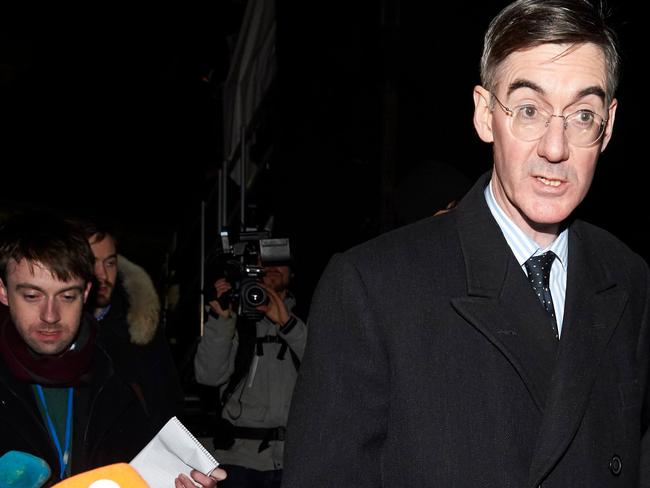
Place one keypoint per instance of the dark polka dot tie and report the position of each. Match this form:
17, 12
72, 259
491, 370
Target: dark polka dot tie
539, 272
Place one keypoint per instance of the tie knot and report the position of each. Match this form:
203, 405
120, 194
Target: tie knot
539, 271
540, 265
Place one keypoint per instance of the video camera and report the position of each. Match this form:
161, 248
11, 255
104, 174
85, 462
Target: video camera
242, 264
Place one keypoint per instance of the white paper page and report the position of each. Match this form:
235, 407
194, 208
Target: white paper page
172, 451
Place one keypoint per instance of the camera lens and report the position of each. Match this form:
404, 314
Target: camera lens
254, 295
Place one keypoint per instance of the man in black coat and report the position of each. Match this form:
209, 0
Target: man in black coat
431, 359
126, 305
59, 397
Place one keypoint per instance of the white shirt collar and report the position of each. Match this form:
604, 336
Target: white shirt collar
521, 244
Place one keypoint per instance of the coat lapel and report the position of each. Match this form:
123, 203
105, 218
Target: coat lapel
502, 306
594, 305
500, 302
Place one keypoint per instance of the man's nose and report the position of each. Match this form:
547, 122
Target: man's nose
100, 271
554, 145
50, 313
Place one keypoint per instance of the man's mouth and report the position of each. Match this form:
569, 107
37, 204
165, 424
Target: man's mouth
549, 182
48, 334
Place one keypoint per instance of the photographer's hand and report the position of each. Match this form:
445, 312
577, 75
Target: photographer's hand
275, 309
221, 286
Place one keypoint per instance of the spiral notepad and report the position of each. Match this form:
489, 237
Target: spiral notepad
172, 451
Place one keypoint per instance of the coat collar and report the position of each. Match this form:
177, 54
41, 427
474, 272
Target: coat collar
480, 236
501, 305
499, 301
135, 305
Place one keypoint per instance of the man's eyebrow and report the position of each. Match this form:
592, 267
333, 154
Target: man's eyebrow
112, 256
29, 286
524, 83
591, 90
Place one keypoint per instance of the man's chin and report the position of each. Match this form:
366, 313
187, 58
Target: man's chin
49, 348
102, 301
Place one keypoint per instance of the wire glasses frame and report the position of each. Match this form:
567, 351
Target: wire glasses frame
528, 122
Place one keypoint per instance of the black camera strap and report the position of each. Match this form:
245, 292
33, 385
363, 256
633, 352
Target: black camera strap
250, 345
284, 346
246, 332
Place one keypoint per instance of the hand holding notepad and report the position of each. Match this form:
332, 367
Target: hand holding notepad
172, 451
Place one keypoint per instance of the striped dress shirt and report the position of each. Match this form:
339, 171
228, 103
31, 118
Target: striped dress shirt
523, 247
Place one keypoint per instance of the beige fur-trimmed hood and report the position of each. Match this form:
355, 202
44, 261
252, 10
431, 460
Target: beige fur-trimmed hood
144, 305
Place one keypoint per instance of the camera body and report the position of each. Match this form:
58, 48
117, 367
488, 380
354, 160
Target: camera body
242, 265
246, 293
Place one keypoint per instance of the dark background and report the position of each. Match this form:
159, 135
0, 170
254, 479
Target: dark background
125, 120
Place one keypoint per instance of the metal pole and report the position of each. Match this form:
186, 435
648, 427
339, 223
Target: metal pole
202, 270
242, 180
220, 201
224, 193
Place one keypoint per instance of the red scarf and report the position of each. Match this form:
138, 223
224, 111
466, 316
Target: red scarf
69, 368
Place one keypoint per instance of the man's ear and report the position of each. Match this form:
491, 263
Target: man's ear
483, 114
609, 127
3, 293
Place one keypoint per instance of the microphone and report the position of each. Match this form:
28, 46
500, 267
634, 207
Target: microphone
22, 470
118, 475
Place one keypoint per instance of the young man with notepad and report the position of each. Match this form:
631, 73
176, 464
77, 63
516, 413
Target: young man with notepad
59, 397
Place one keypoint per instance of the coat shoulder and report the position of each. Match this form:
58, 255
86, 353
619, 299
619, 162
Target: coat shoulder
405, 257
615, 255
607, 245
431, 235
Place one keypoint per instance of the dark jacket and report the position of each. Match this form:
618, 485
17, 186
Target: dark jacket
430, 363
131, 334
109, 422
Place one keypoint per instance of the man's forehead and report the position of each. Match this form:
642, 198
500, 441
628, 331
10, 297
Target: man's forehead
34, 273
580, 63
102, 247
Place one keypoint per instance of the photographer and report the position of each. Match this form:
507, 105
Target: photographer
255, 362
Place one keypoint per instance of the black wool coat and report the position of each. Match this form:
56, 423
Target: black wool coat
431, 363
149, 366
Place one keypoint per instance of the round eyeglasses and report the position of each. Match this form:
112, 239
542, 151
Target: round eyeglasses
529, 122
